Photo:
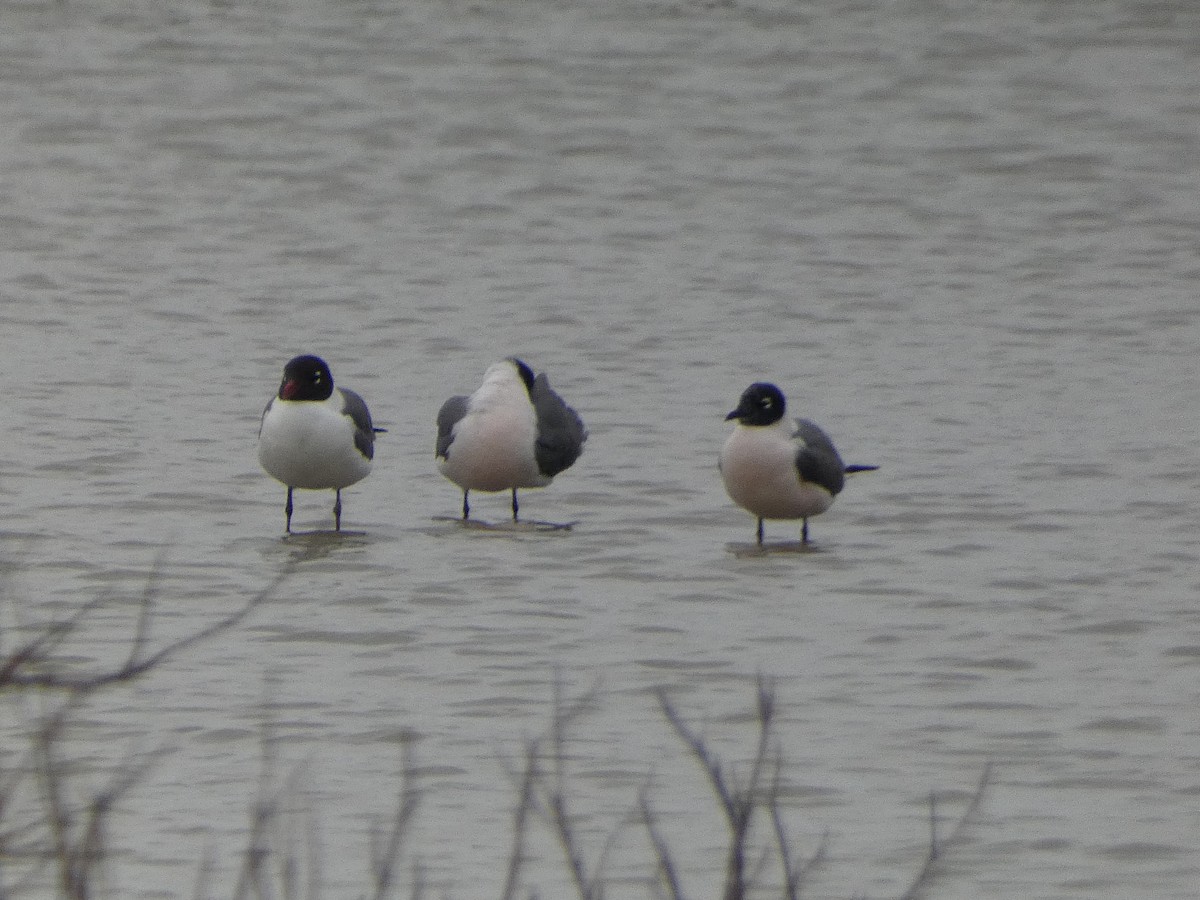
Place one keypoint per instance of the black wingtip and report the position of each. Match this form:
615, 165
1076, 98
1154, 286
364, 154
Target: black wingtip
850, 470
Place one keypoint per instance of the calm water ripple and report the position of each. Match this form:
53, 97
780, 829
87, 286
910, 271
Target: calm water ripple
960, 236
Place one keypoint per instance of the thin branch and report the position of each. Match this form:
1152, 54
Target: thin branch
666, 864
935, 847
710, 765
262, 818
737, 803
313, 843
37, 648
737, 884
556, 800
526, 801
136, 664
418, 881
90, 847
141, 634
610, 845
553, 804
796, 873
385, 856
67, 834
793, 873
203, 872
58, 819
78, 847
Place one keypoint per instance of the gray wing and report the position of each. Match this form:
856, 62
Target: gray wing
266, 409
817, 460
448, 416
364, 432
560, 430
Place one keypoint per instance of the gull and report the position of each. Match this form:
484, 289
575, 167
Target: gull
314, 436
513, 432
779, 469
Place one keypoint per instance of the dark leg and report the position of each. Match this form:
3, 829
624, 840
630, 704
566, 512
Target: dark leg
337, 511
288, 510
466, 506
804, 532
760, 532
515, 507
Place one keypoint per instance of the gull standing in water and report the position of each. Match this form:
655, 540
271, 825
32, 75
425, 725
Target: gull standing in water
779, 469
314, 436
513, 432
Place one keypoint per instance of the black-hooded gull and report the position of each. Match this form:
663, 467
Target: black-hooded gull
779, 469
314, 436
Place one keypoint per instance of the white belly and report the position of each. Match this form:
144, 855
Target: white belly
493, 451
311, 445
758, 466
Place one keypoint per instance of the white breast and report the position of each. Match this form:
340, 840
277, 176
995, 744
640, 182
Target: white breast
758, 466
493, 446
307, 444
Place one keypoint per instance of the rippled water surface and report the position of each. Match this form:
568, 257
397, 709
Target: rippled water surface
962, 236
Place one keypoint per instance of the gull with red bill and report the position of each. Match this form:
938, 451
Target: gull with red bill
314, 436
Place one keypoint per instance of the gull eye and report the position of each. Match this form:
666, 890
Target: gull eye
766, 403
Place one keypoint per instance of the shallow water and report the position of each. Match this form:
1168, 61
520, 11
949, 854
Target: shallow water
962, 237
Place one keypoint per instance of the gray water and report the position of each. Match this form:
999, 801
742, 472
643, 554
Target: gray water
962, 236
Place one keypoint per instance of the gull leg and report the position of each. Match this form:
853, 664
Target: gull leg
466, 506
804, 531
287, 508
515, 506
337, 511
760, 532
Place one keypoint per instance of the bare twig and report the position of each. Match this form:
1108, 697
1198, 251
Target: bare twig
526, 801
266, 842
269, 843
935, 846
145, 613
794, 873
91, 845
708, 763
77, 840
138, 662
36, 650
65, 832
738, 802
203, 873
386, 853
667, 870
58, 819
556, 796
